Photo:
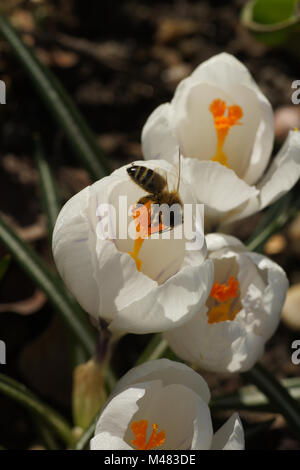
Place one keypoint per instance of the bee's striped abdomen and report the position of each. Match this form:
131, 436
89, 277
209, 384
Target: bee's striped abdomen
148, 179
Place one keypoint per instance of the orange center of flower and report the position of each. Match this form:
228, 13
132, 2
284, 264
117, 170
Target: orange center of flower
224, 118
139, 429
143, 229
224, 295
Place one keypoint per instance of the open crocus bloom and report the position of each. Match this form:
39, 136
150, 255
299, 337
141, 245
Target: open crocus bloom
224, 126
163, 405
241, 313
91, 246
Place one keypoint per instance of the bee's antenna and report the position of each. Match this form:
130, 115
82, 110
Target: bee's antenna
179, 168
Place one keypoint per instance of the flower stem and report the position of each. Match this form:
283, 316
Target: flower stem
155, 349
25, 397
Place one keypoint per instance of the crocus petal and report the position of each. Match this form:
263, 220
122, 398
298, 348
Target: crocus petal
96, 265
234, 345
106, 441
157, 402
282, 175
115, 419
230, 436
177, 421
73, 254
217, 347
225, 72
273, 296
203, 431
215, 185
158, 138
219, 241
171, 304
168, 372
284, 171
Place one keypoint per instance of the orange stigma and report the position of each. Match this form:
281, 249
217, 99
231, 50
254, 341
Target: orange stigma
224, 295
139, 429
223, 292
143, 228
223, 123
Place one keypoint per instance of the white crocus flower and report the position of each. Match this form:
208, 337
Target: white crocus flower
163, 405
170, 286
241, 313
224, 127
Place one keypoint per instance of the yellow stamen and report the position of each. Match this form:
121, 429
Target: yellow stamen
224, 295
143, 229
222, 312
139, 429
222, 124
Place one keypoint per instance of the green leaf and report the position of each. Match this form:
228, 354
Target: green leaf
4, 265
278, 396
25, 397
52, 205
59, 103
274, 220
50, 198
34, 266
87, 435
251, 399
155, 349
274, 11
273, 22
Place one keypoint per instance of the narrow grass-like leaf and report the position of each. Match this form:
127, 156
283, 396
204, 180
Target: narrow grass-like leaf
48, 189
4, 265
59, 103
46, 434
34, 266
274, 220
87, 435
22, 395
155, 349
52, 205
278, 396
251, 399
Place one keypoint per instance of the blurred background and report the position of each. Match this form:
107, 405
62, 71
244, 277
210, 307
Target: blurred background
119, 61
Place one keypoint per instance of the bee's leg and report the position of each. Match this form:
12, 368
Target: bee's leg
145, 199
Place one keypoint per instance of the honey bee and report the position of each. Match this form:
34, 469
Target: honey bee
157, 187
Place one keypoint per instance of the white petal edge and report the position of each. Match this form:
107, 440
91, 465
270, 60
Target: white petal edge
274, 294
168, 372
169, 305
230, 436
224, 70
219, 241
283, 173
216, 186
115, 418
158, 139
